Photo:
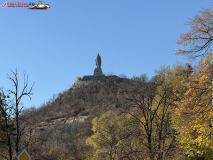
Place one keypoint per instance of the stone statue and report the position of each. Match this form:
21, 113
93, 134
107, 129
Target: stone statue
98, 61
98, 71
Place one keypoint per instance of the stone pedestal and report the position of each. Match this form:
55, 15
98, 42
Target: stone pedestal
98, 72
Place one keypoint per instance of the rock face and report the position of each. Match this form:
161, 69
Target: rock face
45, 125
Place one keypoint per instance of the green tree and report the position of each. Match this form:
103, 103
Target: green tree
111, 132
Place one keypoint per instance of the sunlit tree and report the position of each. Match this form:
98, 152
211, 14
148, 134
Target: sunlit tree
198, 41
194, 112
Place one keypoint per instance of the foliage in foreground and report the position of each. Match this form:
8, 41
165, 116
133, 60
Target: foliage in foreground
193, 115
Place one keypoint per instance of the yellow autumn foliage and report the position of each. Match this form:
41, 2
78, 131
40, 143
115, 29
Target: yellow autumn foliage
109, 132
194, 112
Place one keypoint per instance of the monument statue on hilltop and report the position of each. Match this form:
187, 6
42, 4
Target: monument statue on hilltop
98, 71
98, 61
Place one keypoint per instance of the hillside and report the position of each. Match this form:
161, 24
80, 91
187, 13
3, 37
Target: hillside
65, 121
97, 114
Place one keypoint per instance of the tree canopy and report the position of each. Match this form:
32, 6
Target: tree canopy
198, 41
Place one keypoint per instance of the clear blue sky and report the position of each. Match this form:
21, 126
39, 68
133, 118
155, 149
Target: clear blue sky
57, 45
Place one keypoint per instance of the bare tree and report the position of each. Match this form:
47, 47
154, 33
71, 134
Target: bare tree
24, 92
150, 109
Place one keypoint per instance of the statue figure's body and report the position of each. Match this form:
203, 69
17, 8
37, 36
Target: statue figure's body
98, 61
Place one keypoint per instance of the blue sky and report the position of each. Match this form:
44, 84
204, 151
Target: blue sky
57, 45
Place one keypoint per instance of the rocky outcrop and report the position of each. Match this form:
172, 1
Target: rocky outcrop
44, 125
